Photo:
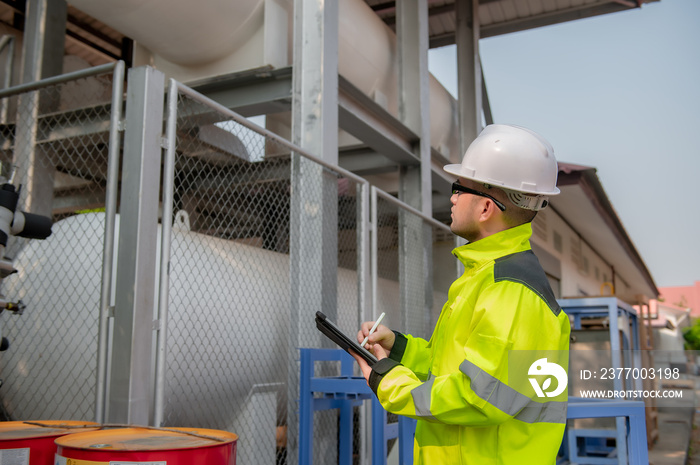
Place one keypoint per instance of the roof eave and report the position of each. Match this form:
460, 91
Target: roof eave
588, 181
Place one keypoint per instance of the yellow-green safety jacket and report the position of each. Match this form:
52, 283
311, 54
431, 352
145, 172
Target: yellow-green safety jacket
457, 385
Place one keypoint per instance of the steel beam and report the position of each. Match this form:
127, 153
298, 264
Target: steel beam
415, 182
44, 38
130, 389
468, 71
365, 119
42, 56
364, 162
414, 96
251, 93
267, 91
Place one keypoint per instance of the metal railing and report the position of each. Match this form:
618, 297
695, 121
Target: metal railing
69, 126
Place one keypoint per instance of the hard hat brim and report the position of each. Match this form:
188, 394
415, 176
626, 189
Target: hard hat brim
456, 170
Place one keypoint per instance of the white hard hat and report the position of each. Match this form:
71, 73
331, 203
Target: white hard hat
516, 159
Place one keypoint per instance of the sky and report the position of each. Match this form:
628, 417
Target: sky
621, 93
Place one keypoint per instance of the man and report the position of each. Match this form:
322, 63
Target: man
457, 384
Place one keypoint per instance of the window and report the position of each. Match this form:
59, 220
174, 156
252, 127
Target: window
558, 245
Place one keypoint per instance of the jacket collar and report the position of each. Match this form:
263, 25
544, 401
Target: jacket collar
475, 254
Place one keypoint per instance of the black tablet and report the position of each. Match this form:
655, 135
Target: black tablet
336, 335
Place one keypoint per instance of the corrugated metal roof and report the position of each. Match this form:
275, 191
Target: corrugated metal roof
97, 43
498, 17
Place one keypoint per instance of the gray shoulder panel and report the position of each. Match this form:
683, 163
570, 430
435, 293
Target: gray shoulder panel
525, 268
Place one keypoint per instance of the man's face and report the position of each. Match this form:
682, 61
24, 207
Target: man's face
465, 212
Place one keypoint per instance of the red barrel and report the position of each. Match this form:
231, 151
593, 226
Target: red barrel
32, 443
174, 446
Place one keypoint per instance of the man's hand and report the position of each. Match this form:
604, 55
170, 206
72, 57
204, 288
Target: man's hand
378, 351
381, 336
380, 343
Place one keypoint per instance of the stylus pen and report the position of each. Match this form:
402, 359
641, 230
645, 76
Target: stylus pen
376, 323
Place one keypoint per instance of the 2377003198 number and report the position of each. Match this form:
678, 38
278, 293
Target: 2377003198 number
639, 373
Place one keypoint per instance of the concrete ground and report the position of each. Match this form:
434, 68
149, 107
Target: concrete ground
694, 449
678, 429
678, 441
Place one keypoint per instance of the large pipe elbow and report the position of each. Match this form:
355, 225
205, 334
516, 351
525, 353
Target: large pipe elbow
181, 31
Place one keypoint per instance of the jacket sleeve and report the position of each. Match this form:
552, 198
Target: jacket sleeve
476, 392
413, 352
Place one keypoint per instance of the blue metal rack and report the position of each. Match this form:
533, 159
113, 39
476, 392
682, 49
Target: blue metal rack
345, 392
617, 311
624, 351
633, 418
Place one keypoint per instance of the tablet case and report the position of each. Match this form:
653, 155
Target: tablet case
336, 335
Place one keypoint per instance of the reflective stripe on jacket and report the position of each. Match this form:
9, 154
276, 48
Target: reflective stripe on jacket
457, 382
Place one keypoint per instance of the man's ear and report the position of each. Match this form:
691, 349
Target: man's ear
488, 209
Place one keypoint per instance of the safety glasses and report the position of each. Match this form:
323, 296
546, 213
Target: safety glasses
458, 189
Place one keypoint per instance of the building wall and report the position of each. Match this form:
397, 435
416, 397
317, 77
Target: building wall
582, 271
683, 296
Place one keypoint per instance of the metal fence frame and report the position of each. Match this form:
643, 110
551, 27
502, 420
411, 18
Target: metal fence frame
117, 70
367, 210
174, 89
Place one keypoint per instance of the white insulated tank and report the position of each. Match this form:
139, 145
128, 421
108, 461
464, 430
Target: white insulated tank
192, 41
181, 31
227, 300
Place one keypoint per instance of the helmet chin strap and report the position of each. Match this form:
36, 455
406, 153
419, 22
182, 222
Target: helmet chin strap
528, 201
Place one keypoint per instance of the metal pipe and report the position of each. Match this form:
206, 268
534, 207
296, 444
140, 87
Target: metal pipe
165, 240
108, 250
375, 248
80, 74
363, 264
365, 285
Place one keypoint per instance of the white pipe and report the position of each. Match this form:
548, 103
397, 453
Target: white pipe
227, 301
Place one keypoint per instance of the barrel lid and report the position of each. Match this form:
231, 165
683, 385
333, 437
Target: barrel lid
141, 439
13, 430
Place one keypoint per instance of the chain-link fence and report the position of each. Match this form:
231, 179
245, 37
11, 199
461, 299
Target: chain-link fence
402, 278
252, 225
58, 141
229, 306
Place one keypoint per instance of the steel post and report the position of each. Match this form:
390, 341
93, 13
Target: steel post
130, 390
165, 241
108, 248
42, 56
314, 202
